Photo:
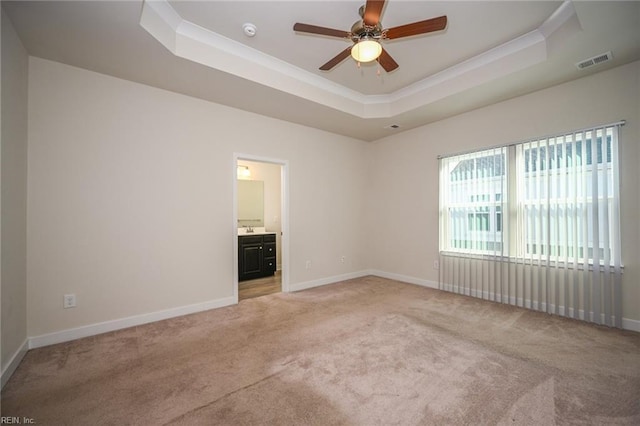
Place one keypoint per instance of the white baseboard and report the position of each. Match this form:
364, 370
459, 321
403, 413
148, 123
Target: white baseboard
119, 324
13, 363
405, 278
328, 280
631, 324
627, 324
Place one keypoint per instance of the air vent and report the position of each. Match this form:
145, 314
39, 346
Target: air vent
392, 126
604, 57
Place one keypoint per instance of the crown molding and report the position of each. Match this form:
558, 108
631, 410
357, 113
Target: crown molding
192, 42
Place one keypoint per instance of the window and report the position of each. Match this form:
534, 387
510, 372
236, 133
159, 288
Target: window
474, 185
536, 224
553, 199
479, 220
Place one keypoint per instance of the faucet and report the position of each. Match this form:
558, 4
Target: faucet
249, 229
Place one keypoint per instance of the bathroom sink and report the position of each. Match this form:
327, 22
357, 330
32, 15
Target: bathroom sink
256, 231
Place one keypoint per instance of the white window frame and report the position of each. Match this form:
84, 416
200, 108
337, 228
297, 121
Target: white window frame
513, 244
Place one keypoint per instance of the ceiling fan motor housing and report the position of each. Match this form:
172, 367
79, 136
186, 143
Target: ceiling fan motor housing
360, 30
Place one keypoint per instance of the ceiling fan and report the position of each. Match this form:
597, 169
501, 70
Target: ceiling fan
367, 33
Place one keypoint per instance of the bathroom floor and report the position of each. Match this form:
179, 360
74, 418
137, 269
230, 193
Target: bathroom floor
260, 286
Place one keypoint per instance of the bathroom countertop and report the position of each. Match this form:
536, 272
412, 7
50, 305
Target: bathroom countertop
256, 231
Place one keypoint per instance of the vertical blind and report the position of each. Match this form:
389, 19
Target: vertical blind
536, 224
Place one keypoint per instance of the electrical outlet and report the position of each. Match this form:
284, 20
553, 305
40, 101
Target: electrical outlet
69, 301
342, 259
436, 264
307, 264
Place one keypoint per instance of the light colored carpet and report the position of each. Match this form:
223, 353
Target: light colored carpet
368, 351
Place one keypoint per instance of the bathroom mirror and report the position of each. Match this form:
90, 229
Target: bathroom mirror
250, 203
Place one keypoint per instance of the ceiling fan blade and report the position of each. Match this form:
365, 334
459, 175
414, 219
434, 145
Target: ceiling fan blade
372, 12
337, 59
422, 27
306, 28
386, 61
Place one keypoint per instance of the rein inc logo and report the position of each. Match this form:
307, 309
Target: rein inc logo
6, 420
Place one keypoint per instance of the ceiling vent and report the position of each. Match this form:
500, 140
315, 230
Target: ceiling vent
603, 57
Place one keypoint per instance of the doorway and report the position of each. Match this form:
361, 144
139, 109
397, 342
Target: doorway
260, 198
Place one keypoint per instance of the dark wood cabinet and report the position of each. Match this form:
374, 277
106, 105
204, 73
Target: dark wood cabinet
256, 256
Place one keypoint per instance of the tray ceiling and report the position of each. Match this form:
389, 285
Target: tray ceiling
490, 51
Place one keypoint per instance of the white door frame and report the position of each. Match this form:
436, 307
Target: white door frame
284, 216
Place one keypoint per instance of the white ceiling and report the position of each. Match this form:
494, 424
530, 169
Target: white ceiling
490, 51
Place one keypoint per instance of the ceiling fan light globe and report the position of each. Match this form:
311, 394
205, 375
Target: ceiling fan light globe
366, 50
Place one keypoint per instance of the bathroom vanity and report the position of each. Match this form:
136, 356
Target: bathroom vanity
256, 255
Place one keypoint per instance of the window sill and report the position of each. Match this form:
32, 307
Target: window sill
531, 261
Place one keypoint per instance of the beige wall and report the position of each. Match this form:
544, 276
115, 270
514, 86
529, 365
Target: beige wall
14, 193
130, 197
130, 190
404, 167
